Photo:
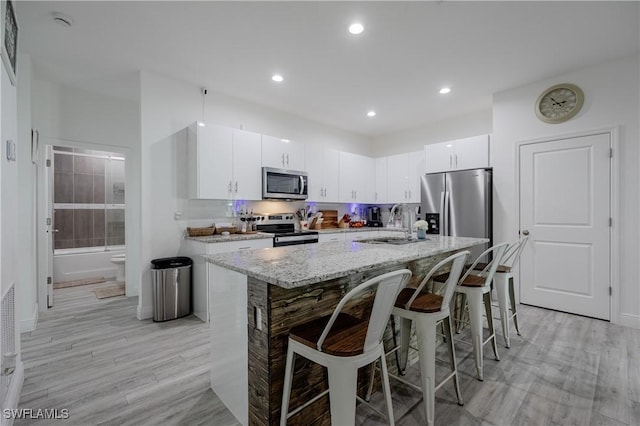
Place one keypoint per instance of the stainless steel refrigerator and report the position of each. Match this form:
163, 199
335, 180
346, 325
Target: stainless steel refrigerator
459, 204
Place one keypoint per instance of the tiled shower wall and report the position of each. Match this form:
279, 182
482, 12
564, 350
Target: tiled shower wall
92, 181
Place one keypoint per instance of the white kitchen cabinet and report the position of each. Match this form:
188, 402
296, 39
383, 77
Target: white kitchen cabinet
380, 195
209, 151
224, 163
201, 284
403, 177
323, 169
247, 174
459, 154
356, 183
282, 153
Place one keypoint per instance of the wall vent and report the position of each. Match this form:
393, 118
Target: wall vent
8, 341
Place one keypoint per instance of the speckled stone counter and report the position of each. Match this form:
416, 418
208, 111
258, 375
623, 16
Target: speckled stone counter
301, 265
257, 296
361, 229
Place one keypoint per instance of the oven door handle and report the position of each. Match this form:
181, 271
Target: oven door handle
294, 238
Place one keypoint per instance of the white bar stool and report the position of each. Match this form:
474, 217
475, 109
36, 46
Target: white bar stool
503, 283
343, 344
477, 289
427, 310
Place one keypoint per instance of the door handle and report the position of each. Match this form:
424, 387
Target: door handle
287, 160
236, 187
525, 232
56, 231
282, 159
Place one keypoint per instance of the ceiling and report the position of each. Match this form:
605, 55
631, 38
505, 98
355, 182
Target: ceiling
407, 52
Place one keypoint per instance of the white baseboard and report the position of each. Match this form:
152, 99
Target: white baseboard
629, 320
13, 393
145, 312
30, 324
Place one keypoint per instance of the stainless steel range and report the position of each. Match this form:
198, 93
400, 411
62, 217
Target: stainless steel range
283, 228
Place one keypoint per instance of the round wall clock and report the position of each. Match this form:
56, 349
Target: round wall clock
559, 103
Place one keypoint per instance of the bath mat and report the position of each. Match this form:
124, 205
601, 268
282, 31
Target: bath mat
75, 283
110, 291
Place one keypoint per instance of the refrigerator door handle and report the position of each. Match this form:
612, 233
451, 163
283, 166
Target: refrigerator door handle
442, 213
447, 231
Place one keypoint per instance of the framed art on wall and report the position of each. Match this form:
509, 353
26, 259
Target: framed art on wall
9, 34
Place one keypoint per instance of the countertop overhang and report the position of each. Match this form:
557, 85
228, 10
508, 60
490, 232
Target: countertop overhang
300, 265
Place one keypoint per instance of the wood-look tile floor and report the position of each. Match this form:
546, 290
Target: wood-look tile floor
96, 359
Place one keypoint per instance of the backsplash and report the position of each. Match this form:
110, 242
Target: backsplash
204, 212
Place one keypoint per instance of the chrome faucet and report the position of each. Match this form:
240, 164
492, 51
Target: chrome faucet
392, 216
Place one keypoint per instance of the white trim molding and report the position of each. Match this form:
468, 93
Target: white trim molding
629, 320
30, 324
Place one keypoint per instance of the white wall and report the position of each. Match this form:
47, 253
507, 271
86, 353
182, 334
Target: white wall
26, 291
10, 236
476, 123
611, 99
167, 108
69, 116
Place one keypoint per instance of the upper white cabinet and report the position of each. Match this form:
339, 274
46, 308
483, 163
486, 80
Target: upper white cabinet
356, 178
403, 177
459, 154
282, 153
224, 163
380, 195
323, 169
247, 174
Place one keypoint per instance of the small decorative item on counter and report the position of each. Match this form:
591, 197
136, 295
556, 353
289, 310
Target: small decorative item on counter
421, 227
344, 221
358, 224
304, 225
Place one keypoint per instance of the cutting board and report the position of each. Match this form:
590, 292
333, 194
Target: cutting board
330, 219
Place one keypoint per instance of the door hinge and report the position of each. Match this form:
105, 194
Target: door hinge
610, 222
48, 221
49, 280
610, 291
610, 152
48, 162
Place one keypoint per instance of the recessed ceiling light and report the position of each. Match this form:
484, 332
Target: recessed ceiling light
444, 90
277, 78
371, 114
356, 28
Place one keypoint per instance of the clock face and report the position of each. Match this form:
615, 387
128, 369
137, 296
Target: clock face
559, 103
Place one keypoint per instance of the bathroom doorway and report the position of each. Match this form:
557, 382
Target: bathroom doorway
84, 192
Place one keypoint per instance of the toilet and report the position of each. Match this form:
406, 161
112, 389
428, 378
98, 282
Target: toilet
119, 260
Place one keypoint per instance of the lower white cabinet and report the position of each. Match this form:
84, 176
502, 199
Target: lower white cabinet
200, 285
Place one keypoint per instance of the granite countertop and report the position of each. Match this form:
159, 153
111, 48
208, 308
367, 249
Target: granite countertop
300, 265
231, 237
361, 229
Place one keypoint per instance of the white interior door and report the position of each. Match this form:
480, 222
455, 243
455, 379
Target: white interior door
45, 228
565, 208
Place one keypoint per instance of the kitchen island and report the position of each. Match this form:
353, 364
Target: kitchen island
257, 296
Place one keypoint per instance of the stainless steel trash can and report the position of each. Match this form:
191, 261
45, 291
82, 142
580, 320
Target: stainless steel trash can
171, 287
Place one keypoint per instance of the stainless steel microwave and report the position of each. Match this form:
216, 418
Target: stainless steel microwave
283, 184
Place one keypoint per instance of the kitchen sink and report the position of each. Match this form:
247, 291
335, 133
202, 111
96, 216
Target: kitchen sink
395, 241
